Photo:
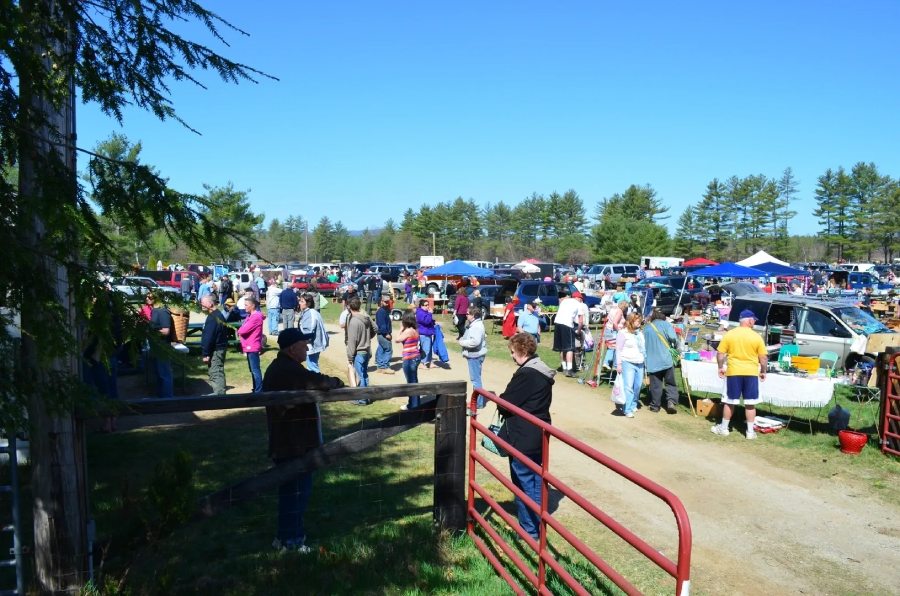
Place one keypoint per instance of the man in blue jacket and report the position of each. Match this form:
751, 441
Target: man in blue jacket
385, 348
214, 344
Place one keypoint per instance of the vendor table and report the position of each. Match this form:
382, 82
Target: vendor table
782, 390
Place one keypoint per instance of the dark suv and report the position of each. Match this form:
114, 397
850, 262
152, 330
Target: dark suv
550, 292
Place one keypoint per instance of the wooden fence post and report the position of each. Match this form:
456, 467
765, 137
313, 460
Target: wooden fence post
450, 462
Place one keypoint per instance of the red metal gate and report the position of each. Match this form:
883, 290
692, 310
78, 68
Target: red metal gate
679, 569
890, 419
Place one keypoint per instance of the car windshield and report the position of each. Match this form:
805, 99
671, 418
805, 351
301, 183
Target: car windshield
860, 321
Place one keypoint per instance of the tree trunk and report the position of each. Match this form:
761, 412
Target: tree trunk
58, 473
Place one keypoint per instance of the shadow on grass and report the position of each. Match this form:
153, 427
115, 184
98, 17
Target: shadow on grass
369, 518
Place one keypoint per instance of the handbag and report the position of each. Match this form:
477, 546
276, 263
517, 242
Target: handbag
488, 443
455, 319
618, 391
673, 352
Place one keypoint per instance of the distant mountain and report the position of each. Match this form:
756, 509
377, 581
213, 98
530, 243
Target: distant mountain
372, 231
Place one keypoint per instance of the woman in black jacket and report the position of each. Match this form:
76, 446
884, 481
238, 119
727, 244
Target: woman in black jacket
531, 389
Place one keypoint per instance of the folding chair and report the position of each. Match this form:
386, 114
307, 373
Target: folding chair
830, 357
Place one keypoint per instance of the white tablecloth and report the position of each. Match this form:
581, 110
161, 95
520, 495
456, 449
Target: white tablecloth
779, 390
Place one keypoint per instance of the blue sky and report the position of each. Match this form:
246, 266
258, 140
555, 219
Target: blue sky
383, 106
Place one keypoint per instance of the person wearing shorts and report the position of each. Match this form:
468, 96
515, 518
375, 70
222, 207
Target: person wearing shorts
568, 318
742, 360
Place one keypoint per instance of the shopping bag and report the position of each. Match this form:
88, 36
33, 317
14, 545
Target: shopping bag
488, 443
618, 391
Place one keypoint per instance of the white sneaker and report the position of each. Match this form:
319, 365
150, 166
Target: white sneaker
751, 434
720, 430
629, 415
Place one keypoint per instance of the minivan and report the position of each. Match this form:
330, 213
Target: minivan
615, 271
820, 325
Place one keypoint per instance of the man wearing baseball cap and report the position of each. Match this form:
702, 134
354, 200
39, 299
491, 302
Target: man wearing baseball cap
294, 430
742, 360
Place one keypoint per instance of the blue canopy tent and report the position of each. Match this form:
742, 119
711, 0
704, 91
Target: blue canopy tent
729, 270
460, 268
776, 269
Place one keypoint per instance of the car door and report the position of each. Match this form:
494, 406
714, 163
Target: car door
819, 331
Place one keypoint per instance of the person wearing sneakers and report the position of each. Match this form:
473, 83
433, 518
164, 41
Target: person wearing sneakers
742, 360
568, 319
385, 350
358, 337
630, 356
474, 348
294, 430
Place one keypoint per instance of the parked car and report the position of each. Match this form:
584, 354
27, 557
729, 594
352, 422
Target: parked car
820, 325
301, 282
136, 287
858, 280
550, 292
616, 271
740, 288
666, 298
387, 272
677, 282
167, 277
494, 295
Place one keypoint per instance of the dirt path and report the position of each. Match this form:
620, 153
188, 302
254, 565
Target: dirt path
757, 528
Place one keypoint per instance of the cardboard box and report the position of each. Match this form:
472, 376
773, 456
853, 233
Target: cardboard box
708, 408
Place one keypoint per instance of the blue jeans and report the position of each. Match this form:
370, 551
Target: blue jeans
361, 365
530, 484
633, 378
312, 361
475, 376
274, 317
383, 352
426, 341
293, 496
411, 372
255, 371
165, 386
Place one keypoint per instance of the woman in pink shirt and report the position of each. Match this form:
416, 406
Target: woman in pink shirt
250, 335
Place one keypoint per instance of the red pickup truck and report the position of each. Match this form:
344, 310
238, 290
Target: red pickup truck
326, 288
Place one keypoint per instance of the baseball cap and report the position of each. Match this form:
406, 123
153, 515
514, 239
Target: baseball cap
290, 336
229, 302
748, 314
577, 295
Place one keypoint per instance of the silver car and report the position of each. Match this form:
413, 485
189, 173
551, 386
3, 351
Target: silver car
820, 325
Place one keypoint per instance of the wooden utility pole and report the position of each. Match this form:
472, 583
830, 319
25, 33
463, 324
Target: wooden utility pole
47, 181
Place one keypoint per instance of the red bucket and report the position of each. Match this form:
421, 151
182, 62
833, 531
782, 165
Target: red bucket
852, 442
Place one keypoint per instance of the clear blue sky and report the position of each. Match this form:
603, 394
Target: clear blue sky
382, 106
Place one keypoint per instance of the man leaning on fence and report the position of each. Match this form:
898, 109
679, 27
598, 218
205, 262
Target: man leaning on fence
294, 430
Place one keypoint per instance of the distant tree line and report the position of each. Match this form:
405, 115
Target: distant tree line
732, 219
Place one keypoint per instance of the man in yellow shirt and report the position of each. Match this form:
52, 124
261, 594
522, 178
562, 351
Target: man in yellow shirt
742, 357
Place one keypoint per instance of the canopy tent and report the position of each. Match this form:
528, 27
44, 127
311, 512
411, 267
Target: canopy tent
729, 270
782, 270
760, 257
459, 268
527, 267
698, 261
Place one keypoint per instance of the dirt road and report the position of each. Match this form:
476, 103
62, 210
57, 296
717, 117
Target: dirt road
758, 527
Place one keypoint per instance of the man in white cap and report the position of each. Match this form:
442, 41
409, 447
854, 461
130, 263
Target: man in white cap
742, 360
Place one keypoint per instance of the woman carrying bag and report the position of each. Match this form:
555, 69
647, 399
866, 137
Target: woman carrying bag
630, 362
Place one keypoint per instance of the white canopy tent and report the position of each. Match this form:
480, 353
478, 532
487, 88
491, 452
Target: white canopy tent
760, 258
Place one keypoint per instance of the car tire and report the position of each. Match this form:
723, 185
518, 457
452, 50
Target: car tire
432, 289
677, 311
596, 317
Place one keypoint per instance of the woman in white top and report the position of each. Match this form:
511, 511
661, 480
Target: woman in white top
630, 361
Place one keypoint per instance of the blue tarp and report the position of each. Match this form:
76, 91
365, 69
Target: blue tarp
459, 268
782, 270
728, 270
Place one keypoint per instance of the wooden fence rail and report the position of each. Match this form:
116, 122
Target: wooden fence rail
447, 408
